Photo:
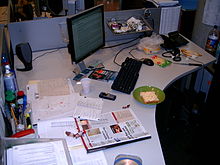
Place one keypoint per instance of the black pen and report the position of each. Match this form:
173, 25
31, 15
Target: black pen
190, 64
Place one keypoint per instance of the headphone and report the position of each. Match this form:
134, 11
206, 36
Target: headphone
174, 54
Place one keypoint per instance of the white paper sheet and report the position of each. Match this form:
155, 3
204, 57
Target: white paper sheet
165, 2
169, 19
57, 128
52, 107
44, 153
88, 108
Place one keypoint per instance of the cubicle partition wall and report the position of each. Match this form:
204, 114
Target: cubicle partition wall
45, 34
5, 128
41, 34
2, 99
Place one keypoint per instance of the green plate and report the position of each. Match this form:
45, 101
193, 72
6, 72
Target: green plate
160, 94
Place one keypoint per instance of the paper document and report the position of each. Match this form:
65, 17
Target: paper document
50, 99
54, 87
48, 153
57, 128
80, 156
51, 107
169, 19
162, 3
88, 108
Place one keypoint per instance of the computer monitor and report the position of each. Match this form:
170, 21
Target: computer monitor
86, 32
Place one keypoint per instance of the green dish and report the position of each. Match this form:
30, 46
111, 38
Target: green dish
160, 94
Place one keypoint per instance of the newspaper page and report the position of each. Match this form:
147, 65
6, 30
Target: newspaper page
113, 128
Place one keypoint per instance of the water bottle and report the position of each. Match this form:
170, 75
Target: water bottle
10, 81
212, 41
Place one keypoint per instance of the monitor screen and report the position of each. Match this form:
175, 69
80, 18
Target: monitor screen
86, 33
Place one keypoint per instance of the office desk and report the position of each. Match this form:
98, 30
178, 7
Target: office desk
58, 64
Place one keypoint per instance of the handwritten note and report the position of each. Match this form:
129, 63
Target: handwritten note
53, 87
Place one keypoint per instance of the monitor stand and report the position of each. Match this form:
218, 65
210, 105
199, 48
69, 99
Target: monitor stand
82, 66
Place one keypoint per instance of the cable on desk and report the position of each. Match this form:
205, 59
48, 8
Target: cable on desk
133, 55
44, 54
123, 42
120, 52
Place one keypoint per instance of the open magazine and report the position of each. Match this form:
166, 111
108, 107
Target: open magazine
113, 128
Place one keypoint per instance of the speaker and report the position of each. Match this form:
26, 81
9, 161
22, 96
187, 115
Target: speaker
24, 53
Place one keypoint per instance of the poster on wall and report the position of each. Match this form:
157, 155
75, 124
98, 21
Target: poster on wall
211, 13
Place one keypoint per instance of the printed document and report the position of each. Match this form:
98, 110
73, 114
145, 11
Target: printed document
88, 108
48, 153
57, 128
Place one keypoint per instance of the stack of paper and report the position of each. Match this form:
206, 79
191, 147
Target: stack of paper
49, 153
51, 99
56, 129
56, 98
163, 3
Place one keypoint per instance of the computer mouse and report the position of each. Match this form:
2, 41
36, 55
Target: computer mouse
148, 62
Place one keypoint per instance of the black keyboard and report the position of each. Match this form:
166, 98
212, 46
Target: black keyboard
127, 76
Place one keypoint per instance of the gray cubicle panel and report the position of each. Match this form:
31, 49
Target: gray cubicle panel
44, 34
41, 34
2, 123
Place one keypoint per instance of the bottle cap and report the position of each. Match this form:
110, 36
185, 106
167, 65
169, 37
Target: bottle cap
7, 67
9, 92
7, 71
10, 98
20, 93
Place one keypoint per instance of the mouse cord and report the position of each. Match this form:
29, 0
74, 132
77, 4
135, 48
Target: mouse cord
122, 43
120, 52
134, 56
45, 54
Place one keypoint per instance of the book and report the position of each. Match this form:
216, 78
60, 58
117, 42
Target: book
103, 74
113, 128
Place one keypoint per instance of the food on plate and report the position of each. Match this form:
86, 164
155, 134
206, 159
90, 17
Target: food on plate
149, 97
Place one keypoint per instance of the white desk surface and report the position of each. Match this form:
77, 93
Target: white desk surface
58, 64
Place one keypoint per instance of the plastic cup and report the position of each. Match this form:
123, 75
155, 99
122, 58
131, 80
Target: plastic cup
85, 85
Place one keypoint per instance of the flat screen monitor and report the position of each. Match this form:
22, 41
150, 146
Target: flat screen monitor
86, 33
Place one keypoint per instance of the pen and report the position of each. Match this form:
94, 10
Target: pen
28, 121
190, 64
